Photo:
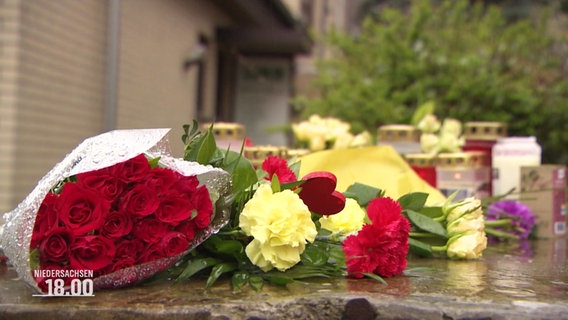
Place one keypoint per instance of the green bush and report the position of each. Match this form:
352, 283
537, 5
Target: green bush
467, 59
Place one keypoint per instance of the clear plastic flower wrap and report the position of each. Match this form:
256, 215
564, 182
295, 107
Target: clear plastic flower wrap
116, 195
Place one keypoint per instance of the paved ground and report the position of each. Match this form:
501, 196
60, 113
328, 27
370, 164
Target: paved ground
510, 282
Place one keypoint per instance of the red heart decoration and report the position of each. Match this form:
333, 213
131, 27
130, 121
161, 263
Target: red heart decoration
319, 194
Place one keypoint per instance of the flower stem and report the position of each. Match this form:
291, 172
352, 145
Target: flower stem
237, 233
422, 235
439, 248
498, 223
500, 234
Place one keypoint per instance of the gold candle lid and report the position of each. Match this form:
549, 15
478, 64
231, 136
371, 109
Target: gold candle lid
484, 130
398, 133
258, 154
226, 130
468, 159
420, 159
298, 153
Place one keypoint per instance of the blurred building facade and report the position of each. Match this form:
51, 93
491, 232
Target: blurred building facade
73, 69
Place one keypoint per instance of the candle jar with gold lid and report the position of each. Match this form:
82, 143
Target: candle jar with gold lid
228, 135
424, 165
482, 136
403, 138
257, 154
467, 173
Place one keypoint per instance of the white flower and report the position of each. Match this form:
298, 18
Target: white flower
429, 143
469, 206
343, 141
429, 124
451, 126
467, 246
362, 139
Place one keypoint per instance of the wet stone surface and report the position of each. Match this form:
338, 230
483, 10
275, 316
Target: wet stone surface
527, 281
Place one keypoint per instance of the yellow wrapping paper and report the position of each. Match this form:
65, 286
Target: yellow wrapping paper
378, 166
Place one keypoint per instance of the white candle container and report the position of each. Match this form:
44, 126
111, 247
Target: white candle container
509, 155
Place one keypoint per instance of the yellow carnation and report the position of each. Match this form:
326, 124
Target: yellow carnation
280, 224
347, 221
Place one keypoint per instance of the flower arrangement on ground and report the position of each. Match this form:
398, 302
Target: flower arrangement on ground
284, 228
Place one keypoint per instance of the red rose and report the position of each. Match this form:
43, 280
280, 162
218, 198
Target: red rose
278, 166
202, 204
109, 186
174, 243
116, 225
133, 170
161, 179
380, 247
150, 230
81, 210
93, 252
140, 201
128, 249
187, 228
186, 184
120, 264
152, 252
46, 219
55, 245
174, 209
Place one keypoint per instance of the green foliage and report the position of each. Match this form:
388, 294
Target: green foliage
466, 58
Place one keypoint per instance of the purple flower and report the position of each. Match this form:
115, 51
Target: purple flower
522, 218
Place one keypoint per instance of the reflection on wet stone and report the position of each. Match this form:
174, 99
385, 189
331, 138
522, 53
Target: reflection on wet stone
512, 281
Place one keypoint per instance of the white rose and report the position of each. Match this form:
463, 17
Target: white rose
467, 246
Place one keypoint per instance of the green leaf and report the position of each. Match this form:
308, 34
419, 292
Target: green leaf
376, 277
241, 170
420, 248
275, 184
195, 266
314, 256
422, 111
426, 223
154, 162
223, 246
256, 282
291, 185
362, 193
280, 280
207, 148
217, 271
239, 279
432, 212
413, 201
34, 259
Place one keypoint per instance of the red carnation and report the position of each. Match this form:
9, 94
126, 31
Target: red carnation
277, 166
380, 247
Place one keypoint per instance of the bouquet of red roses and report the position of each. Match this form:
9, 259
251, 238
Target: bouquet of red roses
116, 210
